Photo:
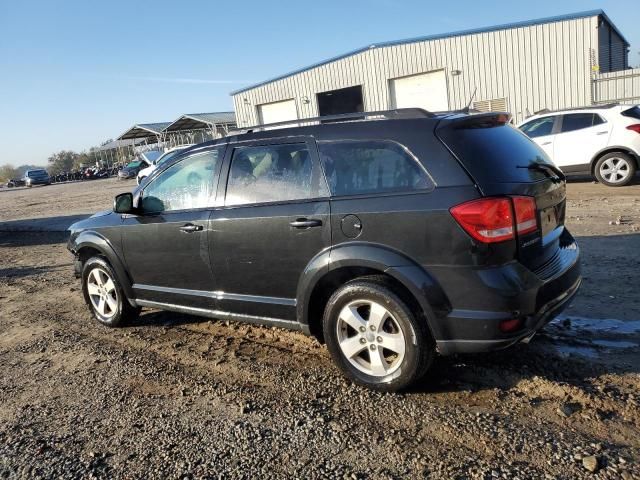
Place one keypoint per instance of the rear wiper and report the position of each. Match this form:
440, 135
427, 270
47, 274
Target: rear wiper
550, 171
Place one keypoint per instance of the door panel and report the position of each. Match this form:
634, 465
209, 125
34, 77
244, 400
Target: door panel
577, 147
166, 244
164, 260
547, 143
275, 220
258, 257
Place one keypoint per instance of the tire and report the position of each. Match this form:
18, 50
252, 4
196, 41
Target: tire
115, 310
390, 369
615, 169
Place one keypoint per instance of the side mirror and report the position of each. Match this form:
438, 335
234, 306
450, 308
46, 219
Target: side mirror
123, 203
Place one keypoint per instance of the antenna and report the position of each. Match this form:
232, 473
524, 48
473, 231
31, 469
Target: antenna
471, 100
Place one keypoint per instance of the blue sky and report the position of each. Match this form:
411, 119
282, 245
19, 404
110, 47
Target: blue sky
75, 73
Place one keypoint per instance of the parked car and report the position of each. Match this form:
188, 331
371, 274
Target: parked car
15, 182
601, 141
36, 177
142, 161
391, 238
145, 172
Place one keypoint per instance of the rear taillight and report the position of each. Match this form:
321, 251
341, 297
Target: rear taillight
492, 220
635, 127
489, 220
525, 210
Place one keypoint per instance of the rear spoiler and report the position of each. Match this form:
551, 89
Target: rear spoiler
477, 120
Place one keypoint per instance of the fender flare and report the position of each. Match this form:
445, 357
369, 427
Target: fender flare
415, 278
96, 241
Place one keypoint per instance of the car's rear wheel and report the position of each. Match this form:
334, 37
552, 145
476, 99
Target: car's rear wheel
375, 338
104, 295
615, 169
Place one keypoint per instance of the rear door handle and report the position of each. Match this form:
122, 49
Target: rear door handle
305, 223
190, 228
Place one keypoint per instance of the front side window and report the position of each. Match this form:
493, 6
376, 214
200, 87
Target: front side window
270, 173
356, 167
188, 184
538, 127
578, 121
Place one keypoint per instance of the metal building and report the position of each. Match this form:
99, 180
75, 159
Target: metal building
520, 67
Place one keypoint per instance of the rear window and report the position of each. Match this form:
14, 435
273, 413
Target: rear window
633, 112
495, 154
578, 121
356, 167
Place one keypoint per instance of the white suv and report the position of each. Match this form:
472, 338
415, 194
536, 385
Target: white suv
603, 141
145, 172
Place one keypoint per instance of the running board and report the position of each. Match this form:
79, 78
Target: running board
220, 315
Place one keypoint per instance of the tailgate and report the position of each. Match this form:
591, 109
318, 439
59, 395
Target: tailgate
502, 161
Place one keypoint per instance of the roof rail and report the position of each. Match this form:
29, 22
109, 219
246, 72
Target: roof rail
344, 117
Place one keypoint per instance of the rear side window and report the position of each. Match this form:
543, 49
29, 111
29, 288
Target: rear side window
498, 154
578, 121
538, 127
356, 167
633, 112
270, 173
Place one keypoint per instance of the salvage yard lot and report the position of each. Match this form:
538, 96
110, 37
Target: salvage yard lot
175, 396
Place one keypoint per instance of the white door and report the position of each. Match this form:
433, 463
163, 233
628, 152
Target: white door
425, 90
277, 112
581, 136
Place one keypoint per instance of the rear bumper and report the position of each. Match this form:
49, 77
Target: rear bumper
514, 292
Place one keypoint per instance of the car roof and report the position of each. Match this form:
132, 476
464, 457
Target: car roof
588, 109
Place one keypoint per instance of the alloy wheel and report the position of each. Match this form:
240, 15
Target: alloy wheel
102, 293
370, 338
615, 170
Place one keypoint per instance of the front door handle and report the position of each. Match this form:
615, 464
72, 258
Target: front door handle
546, 143
602, 133
305, 223
190, 228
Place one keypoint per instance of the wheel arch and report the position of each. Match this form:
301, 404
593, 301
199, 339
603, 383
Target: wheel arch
89, 244
333, 267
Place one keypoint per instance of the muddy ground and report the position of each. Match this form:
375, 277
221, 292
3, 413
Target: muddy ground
175, 396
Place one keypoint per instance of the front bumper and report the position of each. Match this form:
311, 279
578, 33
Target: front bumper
514, 292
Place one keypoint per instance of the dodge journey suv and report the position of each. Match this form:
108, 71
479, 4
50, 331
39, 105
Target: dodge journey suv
390, 236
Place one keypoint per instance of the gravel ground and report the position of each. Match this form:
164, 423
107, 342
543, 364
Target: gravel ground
175, 396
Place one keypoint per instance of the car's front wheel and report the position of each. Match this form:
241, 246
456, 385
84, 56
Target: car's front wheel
615, 169
104, 295
375, 338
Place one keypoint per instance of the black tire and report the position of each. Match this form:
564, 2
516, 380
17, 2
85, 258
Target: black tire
122, 311
419, 347
629, 167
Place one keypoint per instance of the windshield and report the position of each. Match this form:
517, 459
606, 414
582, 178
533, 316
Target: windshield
36, 173
134, 164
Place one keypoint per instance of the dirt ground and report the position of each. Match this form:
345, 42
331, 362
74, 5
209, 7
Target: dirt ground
175, 396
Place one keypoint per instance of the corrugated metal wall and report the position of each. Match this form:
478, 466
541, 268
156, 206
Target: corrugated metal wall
612, 50
533, 67
622, 86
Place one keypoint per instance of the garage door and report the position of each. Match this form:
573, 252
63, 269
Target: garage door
277, 111
425, 90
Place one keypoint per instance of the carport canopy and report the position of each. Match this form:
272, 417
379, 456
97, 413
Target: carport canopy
202, 121
145, 130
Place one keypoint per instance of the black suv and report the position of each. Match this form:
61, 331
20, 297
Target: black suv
390, 236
